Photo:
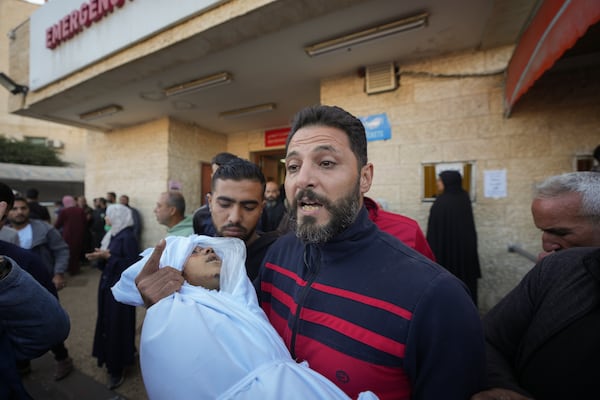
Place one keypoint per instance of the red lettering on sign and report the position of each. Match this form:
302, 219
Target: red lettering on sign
64, 27
50, 39
105, 7
276, 137
73, 23
94, 10
84, 16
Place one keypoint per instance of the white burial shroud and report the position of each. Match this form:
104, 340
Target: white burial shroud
208, 344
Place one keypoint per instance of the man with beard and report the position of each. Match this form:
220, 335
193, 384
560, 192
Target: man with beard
274, 209
236, 203
360, 307
202, 220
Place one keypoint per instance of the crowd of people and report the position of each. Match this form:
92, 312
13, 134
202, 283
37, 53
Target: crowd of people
349, 300
51, 248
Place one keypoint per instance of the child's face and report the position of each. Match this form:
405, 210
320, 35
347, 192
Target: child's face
203, 268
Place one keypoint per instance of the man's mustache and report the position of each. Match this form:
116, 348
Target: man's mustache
310, 195
238, 226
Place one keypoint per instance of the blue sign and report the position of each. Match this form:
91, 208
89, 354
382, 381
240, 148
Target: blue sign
377, 127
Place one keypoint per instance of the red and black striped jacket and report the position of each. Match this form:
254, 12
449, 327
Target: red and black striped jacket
369, 313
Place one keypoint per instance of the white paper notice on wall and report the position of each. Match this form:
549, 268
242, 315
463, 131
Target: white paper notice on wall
494, 183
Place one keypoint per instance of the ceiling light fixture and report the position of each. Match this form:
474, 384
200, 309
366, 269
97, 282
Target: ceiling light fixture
376, 32
243, 112
11, 85
101, 112
221, 78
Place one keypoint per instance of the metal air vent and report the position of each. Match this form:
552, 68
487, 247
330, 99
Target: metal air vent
380, 78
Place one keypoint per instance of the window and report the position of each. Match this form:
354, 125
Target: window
432, 170
584, 162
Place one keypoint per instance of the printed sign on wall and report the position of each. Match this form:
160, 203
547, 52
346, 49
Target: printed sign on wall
377, 127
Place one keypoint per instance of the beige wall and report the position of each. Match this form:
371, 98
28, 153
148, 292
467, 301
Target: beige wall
244, 143
445, 119
14, 13
141, 161
446, 109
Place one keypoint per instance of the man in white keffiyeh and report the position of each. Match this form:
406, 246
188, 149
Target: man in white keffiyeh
208, 343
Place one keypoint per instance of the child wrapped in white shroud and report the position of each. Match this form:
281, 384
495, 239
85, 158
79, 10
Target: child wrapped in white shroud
216, 344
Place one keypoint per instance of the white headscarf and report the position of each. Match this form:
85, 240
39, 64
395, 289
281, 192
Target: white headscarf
120, 218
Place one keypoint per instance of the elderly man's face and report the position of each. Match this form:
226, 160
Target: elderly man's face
562, 225
235, 207
323, 184
163, 211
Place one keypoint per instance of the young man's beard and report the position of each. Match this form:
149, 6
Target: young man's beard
271, 203
343, 212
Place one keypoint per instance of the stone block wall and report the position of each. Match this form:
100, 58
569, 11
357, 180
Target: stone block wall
449, 109
14, 61
141, 161
189, 146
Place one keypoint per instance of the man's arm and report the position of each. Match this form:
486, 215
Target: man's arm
60, 252
445, 352
30, 315
505, 325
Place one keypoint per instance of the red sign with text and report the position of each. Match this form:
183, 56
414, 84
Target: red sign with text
276, 137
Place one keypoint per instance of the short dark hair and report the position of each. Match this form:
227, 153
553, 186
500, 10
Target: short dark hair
7, 195
333, 117
19, 198
32, 193
223, 158
239, 170
176, 199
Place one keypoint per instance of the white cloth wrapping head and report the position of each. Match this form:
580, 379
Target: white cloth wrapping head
208, 344
233, 273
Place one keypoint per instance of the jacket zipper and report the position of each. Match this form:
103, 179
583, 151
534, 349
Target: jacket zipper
312, 276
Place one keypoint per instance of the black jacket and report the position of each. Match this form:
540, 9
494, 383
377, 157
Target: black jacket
561, 289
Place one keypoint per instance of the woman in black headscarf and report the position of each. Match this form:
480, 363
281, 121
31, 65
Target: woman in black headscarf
451, 231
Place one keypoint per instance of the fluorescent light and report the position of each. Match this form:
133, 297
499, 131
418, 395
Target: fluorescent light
202, 83
101, 112
243, 112
376, 32
11, 86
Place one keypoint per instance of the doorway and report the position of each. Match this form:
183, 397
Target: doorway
271, 164
205, 181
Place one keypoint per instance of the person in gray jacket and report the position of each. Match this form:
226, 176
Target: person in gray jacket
42, 238
45, 241
31, 321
